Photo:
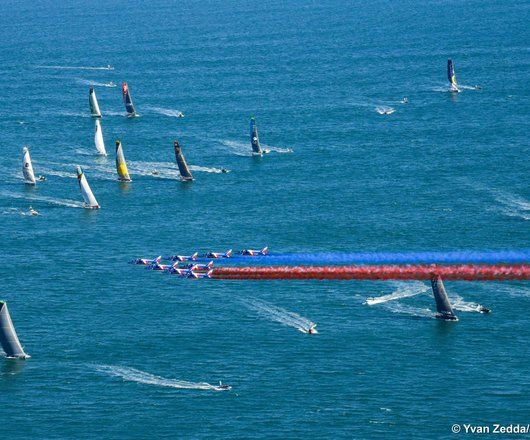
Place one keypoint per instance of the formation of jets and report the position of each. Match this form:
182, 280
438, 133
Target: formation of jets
187, 266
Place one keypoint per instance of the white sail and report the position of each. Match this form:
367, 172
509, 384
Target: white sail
88, 195
93, 101
27, 168
8, 336
98, 139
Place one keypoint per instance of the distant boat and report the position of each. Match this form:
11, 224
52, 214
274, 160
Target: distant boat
121, 165
254, 138
88, 195
93, 101
185, 172
98, 139
27, 168
452, 77
8, 336
127, 100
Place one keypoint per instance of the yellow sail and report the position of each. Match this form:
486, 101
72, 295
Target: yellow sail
121, 166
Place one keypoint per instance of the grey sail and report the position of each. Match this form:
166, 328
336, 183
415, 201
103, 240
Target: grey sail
443, 306
185, 172
93, 101
8, 335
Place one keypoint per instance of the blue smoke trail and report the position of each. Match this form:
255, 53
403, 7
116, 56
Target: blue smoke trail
358, 258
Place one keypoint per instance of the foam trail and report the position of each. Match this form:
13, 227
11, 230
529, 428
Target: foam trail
238, 148
75, 114
88, 82
134, 375
205, 169
460, 304
166, 111
50, 200
280, 315
384, 110
109, 67
50, 172
164, 170
278, 149
426, 257
404, 290
464, 87
409, 310
512, 205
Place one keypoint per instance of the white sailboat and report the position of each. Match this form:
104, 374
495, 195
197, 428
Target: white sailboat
8, 336
98, 139
88, 195
27, 167
93, 101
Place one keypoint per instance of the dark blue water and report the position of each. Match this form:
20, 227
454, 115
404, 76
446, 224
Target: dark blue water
111, 343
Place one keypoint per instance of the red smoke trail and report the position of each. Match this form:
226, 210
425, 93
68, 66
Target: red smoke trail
467, 272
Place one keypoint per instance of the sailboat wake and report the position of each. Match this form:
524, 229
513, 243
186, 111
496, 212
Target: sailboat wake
409, 310
404, 290
282, 316
166, 111
108, 67
50, 200
238, 148
278, 149
205, 169
134, 375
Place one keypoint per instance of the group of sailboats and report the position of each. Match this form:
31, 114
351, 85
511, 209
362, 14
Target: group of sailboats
127, 101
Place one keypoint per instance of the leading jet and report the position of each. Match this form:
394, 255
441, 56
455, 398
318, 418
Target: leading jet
253, 252
145, 261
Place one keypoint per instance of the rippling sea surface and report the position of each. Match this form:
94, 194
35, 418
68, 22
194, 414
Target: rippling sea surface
121, 352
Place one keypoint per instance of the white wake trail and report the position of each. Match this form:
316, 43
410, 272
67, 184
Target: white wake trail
88, 82
282, 316
109, 67
409, 310
512, 204
205, 169
134, 375
385, 110
404, 290
172, 113
462, 305
238, 148
37, 198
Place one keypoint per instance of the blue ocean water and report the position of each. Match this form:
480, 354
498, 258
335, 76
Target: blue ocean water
111, 342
